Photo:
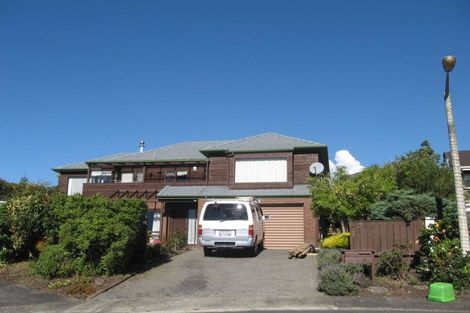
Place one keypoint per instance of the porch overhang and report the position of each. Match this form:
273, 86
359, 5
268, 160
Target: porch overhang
197, 192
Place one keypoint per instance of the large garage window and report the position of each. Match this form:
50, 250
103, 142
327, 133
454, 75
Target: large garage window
261, 171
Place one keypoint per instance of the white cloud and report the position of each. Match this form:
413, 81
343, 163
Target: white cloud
344, 158
332, 167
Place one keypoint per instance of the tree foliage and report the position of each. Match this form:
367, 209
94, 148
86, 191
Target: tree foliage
422, 172
343, 197
6, 190
403, 204
6, 243
415, 184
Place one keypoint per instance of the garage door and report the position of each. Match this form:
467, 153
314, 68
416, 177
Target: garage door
285, 228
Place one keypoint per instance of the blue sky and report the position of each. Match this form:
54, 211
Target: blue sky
82, 79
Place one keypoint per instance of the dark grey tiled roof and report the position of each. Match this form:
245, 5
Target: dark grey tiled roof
175, 192
186, 151
264, 142
80, 166
191, 151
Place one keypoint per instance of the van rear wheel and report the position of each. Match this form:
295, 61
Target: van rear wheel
207, 251
254, 250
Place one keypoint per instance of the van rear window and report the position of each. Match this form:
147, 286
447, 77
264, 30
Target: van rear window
226, 212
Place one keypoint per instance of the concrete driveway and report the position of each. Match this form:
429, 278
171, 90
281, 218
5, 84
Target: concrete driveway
191, 281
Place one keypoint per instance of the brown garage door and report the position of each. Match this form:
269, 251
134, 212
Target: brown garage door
285, 228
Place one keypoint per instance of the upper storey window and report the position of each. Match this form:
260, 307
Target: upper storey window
261, 171
466, 178
101, 177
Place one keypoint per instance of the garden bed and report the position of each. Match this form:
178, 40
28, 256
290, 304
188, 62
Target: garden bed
78, 287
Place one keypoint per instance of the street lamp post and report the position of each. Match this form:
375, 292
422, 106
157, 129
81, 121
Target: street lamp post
448, 63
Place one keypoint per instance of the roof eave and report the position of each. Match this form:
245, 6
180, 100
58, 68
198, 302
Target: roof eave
265, 150
144, 161
227, 197
68, 170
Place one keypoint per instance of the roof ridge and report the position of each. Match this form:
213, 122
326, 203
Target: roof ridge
295, 138
178, 143
107, 156
237, 140
259, 135
73, 163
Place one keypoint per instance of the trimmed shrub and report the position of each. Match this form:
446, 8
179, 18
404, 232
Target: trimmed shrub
53, 262
100, 235
391, 264
338, 241
336, 281
328, 257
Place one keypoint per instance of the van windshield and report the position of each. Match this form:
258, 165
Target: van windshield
226, 212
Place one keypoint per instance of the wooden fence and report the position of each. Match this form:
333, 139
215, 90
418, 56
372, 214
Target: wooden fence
385, 235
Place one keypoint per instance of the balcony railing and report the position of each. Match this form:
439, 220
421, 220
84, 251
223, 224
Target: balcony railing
148, 180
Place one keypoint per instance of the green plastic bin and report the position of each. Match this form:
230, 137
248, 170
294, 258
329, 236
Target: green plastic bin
441, 292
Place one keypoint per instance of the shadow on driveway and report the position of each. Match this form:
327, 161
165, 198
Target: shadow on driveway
228, 280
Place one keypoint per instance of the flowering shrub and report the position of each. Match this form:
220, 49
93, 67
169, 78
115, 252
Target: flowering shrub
441, 258
153, 248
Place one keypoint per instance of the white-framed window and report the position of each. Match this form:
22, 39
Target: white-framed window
136, 175
261, 170
127, 178
101, 177
75, 185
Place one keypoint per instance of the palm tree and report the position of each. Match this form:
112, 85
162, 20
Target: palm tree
448, 63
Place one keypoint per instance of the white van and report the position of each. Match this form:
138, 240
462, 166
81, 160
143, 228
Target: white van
232, 224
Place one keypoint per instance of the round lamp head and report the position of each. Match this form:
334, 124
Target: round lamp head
448, 63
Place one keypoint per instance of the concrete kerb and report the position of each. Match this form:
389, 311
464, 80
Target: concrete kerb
110, 287
296, 309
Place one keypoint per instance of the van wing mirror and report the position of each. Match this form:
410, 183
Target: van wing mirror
266, 217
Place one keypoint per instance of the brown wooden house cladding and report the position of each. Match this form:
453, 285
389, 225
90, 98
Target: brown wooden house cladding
190, 165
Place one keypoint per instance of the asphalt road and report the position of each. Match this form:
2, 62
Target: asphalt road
15, 298
191, 282
355, 311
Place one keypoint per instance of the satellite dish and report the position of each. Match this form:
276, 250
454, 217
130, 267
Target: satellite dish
316, 168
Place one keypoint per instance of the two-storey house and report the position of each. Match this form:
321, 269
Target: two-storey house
176, 180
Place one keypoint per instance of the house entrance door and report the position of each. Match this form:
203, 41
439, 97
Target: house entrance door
183, 220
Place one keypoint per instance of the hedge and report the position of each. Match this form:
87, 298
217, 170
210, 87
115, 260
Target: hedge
98, 236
